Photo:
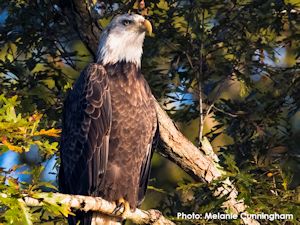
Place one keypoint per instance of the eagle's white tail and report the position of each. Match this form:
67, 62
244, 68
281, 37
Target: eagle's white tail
100, 219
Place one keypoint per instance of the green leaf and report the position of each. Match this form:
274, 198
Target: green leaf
26, 214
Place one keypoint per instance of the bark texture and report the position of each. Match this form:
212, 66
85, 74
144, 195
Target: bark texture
96, 204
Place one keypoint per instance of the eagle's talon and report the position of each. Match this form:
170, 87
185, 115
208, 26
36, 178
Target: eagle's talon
122, 208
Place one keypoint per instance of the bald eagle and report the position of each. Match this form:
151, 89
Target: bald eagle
109, 122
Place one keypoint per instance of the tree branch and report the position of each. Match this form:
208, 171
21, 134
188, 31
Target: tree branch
79, 17
200, 166
96, 204
183, 152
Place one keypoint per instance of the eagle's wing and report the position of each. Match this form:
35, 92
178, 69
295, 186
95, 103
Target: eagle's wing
85, 136
146, 164
145, 175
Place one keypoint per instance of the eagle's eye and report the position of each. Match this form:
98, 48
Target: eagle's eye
126, 22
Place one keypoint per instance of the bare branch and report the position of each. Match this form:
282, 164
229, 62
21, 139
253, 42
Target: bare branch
200, 166
183, 152
79, 17
200, 75
96, 204
201, 118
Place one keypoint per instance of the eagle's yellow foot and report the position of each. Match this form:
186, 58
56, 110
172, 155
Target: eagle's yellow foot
122, 208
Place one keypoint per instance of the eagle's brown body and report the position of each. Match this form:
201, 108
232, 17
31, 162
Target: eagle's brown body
132, 130
109, 122
108, 129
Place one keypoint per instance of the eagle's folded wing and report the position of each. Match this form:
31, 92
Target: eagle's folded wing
85, 136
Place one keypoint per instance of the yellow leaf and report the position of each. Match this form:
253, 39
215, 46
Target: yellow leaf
11, 146
244, 91
49, 83
52, 132
23, 130
285, 184
163, 5
35, 117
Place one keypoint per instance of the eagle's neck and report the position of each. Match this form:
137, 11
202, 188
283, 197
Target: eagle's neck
127, 83
123, 70
117, 48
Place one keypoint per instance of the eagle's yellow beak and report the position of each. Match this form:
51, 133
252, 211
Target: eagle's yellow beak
148, 26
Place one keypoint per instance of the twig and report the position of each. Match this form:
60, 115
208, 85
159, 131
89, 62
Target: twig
208, 111
200, 78
226, 113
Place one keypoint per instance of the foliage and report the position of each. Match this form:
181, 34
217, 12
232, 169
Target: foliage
243, 56
19, 134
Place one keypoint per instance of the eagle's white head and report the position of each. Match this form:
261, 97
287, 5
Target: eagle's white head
122, 40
